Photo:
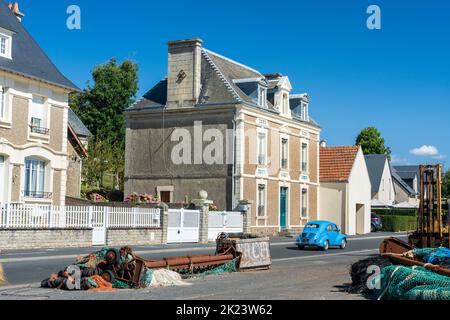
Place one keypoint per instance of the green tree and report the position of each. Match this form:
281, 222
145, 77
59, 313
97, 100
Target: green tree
101, 107
446, 185
372, 142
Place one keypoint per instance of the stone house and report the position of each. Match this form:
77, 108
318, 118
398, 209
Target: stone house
33, 117
218, 125
345, 189
77, 136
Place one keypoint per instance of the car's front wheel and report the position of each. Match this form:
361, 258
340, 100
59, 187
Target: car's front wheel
343, 244
326, 245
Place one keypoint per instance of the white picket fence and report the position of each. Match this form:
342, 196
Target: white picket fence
226, 221
20, 216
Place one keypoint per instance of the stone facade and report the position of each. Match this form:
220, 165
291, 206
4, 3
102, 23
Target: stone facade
234, 104
133, 237
31, 239
73, 185
18, 143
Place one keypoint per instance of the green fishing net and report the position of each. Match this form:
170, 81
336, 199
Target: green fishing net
415, 283
93, 259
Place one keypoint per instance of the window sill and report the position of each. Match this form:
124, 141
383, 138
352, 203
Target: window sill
37, 200
262, 217
36, 137
5, 124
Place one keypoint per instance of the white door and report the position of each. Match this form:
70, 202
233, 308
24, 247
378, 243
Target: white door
2, 179
99, 222
229, 222
183, 226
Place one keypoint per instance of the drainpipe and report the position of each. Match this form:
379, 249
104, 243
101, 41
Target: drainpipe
233, 174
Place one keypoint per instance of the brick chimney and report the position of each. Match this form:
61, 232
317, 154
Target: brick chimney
183, 80
14, 7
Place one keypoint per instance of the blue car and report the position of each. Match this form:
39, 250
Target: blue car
321, 234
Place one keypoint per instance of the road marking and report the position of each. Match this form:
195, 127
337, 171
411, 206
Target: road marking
325, 255
72, 256
349, 239
143, 252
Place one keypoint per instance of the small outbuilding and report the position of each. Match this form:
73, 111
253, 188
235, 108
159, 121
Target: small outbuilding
381, 178
345, 189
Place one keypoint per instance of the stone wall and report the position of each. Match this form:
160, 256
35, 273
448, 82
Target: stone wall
133, 237
65, 238
31, 239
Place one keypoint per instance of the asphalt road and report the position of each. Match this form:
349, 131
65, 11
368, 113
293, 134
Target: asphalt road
32, 266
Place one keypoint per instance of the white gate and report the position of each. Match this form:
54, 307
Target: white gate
99, 222
183, 226
219, 222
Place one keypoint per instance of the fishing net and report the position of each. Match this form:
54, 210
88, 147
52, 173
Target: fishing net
438, 256
416, 283
146, 279
228, 267
93, 259
359, 272
166, 278
101, 284
117, 284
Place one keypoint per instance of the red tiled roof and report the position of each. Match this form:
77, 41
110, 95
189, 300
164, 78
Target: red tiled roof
336, 163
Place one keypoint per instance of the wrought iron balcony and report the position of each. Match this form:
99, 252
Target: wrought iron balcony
37, 195
39, 130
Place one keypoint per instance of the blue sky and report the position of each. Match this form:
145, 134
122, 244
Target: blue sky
396, 78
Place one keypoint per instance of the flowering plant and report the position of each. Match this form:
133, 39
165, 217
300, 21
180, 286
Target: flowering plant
98, 198
213, 208
142, 198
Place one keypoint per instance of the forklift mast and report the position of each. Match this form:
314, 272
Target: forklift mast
430, 228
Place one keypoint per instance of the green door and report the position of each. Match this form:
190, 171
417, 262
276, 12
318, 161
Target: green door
283, 205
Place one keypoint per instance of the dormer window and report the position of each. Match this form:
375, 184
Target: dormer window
304, 112
262, 97
285, 103
5, 43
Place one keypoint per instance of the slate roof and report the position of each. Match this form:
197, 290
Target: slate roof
28, 59
407, 172
77, 125
156, 97
401, 182
336, 163
375, 165
219, 84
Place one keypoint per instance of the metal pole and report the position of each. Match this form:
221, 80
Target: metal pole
439, 201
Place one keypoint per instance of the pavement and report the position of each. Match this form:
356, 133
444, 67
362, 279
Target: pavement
295, 274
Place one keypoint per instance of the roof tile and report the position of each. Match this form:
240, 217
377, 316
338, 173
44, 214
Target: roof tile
336, 163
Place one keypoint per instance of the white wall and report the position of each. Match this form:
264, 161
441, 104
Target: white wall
333, 202
359, 192
386, 192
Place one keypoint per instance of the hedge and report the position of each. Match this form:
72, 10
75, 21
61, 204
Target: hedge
396, 212
394, 223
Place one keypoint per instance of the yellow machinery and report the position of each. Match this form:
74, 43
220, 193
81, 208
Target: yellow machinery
431, 231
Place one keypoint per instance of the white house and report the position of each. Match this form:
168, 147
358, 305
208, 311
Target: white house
345, 189
383, 190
